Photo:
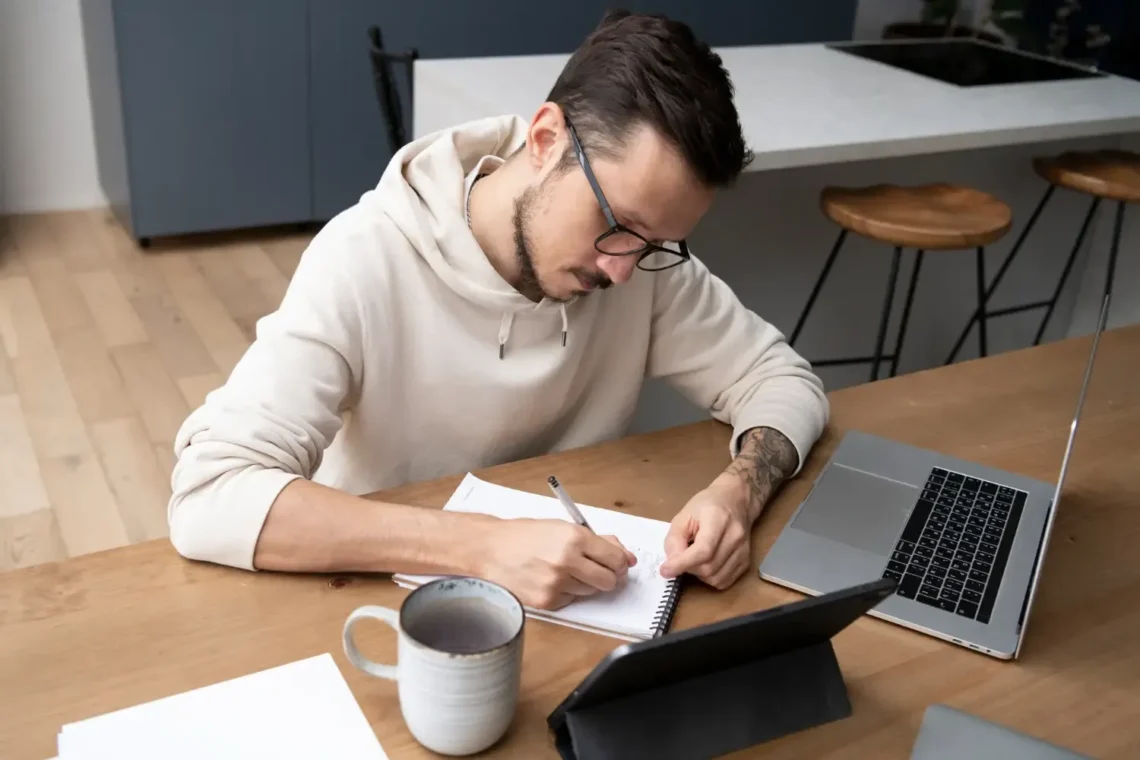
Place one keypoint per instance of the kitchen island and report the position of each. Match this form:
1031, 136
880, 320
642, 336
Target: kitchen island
818, 115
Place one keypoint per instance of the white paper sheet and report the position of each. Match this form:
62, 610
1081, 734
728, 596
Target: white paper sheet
300, 710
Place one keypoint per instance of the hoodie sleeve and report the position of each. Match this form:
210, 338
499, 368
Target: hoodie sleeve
276, 414
725, 358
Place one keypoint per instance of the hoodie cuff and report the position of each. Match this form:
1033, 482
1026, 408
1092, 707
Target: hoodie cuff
203, 533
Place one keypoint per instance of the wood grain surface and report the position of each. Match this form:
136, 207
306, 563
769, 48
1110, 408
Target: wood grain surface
936, 217
111, 629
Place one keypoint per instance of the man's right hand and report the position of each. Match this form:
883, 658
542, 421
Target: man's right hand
549, 563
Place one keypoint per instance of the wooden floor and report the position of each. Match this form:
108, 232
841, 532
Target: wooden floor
106, 348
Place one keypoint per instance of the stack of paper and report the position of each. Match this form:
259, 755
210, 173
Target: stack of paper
300, 710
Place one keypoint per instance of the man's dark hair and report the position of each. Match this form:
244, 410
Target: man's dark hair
636, 69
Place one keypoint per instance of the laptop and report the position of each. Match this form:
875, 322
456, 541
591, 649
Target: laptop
963, 540
950, 734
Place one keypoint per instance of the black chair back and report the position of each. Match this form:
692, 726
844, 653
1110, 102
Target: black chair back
386, 91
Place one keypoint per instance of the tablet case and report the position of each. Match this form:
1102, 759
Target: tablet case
755, 677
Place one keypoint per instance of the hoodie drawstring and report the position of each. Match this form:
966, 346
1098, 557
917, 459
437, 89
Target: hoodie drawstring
508, 320
505, 331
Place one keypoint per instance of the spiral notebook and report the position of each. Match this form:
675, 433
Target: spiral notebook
641, 608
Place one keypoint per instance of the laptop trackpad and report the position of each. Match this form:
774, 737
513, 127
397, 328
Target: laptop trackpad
858, 509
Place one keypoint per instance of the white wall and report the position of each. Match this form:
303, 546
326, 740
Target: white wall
47, 147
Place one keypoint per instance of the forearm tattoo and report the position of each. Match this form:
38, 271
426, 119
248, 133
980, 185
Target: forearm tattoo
766, 458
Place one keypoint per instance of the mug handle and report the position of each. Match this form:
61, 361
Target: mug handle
389, 616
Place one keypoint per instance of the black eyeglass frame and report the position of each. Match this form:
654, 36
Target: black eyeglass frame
648, 248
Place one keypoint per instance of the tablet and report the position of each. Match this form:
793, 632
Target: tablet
695, 654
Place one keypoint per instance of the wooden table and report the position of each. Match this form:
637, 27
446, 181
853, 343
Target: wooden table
105, 631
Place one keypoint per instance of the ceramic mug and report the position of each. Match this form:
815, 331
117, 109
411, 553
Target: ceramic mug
459, 661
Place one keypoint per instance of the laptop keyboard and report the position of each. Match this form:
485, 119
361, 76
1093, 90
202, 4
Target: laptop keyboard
953, 550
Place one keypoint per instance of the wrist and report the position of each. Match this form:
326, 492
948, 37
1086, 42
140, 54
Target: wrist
734, 490
467, 542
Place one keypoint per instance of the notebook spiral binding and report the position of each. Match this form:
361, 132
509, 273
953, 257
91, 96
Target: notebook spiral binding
668, 607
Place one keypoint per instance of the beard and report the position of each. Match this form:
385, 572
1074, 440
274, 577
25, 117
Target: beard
530, 284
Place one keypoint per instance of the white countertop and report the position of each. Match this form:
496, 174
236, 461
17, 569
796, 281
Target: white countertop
807, 104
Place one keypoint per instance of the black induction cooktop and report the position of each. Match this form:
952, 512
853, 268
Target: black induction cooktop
965, 62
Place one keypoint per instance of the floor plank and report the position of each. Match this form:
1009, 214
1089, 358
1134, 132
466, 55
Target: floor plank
30, 539
178, 345
95, 381
194, 389
63, 306
155, 396
134, 476
114, 316
105, 347
7, 381
205, 312
53, 420
22, 488
85, 508
11, 265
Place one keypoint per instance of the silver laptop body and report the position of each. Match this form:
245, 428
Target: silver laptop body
950, 734
963, 540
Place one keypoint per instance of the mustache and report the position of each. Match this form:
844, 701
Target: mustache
594, 279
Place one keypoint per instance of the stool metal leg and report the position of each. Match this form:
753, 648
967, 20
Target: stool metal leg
1116, 230
981, 257
818, 285
1068, 268
894, 276
906, 312
1001, 273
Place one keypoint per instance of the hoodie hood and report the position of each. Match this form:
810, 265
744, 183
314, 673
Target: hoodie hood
425, 195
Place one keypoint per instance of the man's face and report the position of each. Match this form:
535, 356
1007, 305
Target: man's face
650, 190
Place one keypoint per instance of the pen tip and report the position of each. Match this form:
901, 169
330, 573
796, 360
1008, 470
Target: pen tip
552, 480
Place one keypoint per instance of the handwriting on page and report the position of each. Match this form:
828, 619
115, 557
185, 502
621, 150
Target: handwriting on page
648, 565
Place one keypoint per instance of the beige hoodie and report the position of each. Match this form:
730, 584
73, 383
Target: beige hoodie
396, 316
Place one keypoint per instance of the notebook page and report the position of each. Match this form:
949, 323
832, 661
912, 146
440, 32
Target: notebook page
300, 710
630, 609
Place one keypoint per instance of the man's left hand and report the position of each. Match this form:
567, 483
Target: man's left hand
710, 537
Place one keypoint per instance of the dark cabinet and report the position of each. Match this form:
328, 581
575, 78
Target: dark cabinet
222, 114
201, 111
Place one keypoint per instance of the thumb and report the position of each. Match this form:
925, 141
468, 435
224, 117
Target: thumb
678, 537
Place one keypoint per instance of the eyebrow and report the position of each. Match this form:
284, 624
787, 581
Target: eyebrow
632, 219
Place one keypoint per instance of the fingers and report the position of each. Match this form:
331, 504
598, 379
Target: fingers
608, 552
630, 557
701, 551
728, 573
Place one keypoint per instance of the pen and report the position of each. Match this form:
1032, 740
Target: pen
567, 502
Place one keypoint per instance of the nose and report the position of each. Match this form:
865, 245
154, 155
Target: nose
617, 268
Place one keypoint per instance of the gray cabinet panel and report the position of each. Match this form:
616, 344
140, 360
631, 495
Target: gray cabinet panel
216, 112
106, 105
350, 142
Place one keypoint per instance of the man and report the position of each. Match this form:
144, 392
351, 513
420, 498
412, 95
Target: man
461, 315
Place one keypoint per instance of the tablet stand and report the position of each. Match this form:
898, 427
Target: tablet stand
714, 713
718, 688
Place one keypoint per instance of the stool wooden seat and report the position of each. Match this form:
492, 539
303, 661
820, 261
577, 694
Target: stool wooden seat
929, 217
938, 217
1110, 174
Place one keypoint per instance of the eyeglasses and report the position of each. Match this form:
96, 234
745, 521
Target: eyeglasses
619, 240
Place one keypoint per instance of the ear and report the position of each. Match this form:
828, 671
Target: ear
547, 138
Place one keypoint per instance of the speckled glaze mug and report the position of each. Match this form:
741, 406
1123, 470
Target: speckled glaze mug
459, 661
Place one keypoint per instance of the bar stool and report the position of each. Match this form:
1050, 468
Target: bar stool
1105, 175
935, 217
